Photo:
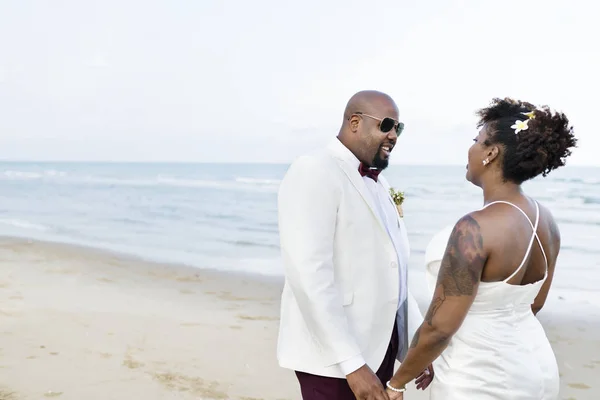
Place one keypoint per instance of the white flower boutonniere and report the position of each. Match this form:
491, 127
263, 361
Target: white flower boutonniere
398, 198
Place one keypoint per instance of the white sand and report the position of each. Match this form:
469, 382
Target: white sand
81, 324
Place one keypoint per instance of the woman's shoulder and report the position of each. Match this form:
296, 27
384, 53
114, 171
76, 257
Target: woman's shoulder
479, 221
497, 211
548, 220
438, 242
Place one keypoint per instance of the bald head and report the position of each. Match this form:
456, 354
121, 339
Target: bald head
369, 101
361, 131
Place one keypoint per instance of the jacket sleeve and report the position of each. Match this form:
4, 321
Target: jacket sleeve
308, 201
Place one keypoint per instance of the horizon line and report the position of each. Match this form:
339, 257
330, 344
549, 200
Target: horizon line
234, 163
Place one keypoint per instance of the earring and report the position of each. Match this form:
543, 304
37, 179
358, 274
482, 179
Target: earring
485, 162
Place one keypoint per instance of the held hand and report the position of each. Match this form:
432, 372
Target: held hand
425, 379
366, 385
395, 395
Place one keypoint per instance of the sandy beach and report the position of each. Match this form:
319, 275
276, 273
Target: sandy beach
78, 323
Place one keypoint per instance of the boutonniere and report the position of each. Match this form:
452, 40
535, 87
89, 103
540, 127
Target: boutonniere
398, 198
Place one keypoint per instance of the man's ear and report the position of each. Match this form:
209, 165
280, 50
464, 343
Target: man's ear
354, 121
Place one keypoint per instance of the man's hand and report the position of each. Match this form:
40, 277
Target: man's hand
425, 379
366, 385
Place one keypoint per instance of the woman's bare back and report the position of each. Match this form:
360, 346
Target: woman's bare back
506, 235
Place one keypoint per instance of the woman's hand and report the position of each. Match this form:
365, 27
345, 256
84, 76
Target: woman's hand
394, 395
425, 379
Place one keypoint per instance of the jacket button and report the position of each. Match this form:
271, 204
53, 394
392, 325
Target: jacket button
394, 264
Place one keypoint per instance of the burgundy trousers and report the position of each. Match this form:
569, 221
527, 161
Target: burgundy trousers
314, 387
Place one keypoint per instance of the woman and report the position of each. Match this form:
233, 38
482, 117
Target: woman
496, 270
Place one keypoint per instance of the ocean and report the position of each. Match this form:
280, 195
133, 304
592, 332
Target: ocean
224, 216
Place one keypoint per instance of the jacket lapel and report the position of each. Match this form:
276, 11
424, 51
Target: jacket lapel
389, 197
400, 241
359, 185
401, 228
386, 186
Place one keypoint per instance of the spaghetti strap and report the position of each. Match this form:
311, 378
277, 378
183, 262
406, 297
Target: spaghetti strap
533, 236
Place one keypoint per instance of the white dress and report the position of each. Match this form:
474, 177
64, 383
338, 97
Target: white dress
501, 350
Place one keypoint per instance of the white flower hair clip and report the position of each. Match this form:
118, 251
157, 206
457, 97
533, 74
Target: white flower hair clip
522, 125
530, 114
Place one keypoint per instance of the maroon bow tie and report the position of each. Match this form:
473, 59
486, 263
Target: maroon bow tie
365, 170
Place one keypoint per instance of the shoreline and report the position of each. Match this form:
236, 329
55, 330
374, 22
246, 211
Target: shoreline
137, 259
84, 322
556, 296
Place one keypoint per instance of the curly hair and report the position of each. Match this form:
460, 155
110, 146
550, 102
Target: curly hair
539, 149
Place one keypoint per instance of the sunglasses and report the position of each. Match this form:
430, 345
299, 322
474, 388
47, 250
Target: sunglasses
387, 124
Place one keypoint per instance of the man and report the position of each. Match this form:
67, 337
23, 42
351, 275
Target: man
345, 311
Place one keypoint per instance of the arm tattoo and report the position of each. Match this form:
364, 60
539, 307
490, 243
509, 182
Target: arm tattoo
434, 307
415, 340
461, 267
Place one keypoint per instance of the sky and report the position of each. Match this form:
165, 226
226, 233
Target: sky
267, 80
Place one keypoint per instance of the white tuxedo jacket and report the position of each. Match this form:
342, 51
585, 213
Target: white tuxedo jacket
340, 296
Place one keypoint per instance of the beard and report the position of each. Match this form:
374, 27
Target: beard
379, 162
